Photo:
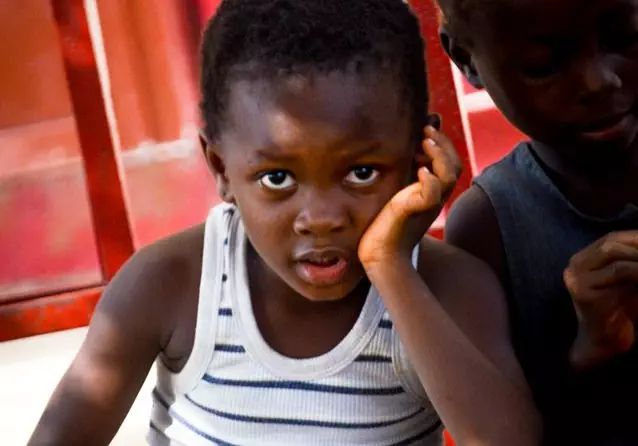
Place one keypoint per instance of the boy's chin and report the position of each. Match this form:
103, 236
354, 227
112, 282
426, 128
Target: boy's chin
333, 293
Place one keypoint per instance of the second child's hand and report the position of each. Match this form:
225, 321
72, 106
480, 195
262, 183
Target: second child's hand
603, 282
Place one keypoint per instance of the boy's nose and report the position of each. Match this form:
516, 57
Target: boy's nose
598, 76
321, 215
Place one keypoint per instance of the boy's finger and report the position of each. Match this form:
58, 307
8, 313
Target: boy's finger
629, 238
418, 197
616, 274
446, 165
438, 137
388, 224
431, 191
585, 354
612, 248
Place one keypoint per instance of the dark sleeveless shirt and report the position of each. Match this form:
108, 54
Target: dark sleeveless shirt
540, 231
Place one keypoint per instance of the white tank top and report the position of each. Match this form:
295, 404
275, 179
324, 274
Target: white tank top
236, 390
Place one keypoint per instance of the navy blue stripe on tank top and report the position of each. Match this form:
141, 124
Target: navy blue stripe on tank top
304, 386
157, 397
384, 323
373, 358
227, 348
429, 431
301, 422
225, 312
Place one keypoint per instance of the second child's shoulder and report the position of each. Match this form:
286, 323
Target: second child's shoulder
472, 225
471, 218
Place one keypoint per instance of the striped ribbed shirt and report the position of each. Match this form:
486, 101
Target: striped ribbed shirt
236, 390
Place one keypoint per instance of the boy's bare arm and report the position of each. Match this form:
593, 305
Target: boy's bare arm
458, 343
131, 325
451, 314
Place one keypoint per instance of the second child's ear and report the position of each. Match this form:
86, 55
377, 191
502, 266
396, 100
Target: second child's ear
218, 168
461, 58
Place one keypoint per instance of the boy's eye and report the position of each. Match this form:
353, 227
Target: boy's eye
362, 176
277, 180
543, 61
541, 71
627, 43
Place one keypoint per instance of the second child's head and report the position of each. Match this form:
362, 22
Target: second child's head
564, 71
313, 113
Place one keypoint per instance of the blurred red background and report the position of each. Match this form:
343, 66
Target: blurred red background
98, 126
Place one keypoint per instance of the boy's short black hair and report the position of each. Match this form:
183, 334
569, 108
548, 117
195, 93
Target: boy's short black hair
255, 39
451, 8
456, 15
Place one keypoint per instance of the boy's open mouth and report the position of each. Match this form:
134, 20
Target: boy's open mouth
322, 267
609, 128
323, 262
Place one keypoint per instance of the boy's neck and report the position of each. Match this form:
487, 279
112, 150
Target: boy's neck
293, 325
596, 189
261, 277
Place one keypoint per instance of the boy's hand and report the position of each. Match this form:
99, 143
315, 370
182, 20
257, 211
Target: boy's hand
409, 214
603, 282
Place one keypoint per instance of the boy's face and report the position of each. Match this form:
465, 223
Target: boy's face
565, 72
310, 161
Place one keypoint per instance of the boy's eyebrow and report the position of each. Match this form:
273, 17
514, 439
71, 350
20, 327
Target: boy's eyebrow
373, 148
277, 154
266, 154
623, 9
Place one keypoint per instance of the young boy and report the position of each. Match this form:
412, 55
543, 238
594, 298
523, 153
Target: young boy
301, 312
557, 219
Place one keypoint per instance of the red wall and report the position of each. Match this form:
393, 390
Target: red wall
47, 226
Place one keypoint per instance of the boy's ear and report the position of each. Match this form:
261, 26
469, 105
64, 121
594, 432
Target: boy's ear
435, 120
217, 166
461, 57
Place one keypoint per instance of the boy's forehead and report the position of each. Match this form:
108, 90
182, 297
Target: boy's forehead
318, 91
346, 105
555, 16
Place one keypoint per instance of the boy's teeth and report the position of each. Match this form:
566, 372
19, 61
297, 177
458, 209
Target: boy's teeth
325, 262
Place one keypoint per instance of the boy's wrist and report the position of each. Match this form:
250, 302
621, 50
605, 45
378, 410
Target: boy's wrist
391, 260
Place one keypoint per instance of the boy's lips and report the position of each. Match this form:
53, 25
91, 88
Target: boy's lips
611, 128
322, 267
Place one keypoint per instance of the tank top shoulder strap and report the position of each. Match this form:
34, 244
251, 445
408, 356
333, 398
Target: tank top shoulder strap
518, 181
210, 295
402, 365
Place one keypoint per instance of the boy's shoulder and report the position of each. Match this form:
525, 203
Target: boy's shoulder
159, 288
174, 261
